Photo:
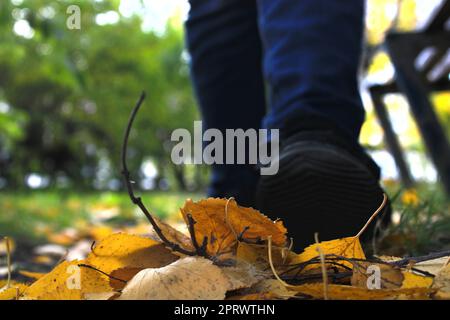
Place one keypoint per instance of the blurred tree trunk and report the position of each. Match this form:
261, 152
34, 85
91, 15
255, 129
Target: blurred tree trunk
180, 178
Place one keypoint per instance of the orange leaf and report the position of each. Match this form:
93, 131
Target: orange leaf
222, 220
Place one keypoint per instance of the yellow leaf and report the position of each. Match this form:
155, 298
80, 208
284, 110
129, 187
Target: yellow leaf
122, 250
12, 292
174, 235
62, 283
43, 259
100, 232
32, 275
349, 247
3, 247
341, 292
68, 281
390, 277
122, 256
412, 280
222, 220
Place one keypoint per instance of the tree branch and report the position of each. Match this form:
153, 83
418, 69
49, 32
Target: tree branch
137, 200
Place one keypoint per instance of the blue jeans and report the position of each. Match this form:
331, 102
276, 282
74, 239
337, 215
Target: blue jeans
299, 58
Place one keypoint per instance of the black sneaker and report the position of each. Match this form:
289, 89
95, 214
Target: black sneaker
323, 185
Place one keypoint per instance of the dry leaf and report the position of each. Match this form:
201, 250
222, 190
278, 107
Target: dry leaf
32, 275
68, 281
432, 266
62, 283
390, 276
174, 235
11, 292
257, 255
413, 280
341, 292
122, 250
254, 296
222, 220
349, 247
191, 278
274, 287
124, 274
99, 295
442, 283
243, 275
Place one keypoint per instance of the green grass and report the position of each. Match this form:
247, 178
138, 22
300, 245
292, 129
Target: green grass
25, 215
422, 227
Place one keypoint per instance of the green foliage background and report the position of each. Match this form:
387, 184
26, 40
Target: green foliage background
71, 92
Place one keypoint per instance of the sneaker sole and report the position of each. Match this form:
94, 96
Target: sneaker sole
319, 188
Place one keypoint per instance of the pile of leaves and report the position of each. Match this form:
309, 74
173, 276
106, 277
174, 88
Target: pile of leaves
233, 252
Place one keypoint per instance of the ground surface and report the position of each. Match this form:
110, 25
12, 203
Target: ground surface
45, 225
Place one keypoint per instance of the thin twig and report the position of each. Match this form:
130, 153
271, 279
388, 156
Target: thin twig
272, 267
200, 249
431, 256
373, 216
322, 265
226, 218
8, 261
137, 200
102, 272
240, 237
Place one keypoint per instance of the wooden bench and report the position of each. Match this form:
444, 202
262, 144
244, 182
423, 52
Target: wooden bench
422, 64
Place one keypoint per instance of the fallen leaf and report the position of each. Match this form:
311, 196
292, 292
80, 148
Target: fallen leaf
99, 295
174, 235
273, 287
442, 283
254, 296
191, 278
222, 220
122, 250
100, 232
413, 280
62, 283
243, 275
432, 266
257, 255
67, 281
342, 292
32, 275
349, 247
124, 274
43, 260
11, 292
390, 277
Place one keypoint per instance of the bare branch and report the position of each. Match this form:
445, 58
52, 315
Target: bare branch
137, 200
201, 250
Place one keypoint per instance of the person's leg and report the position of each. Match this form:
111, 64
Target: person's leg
311, 56
326, 183
225, 48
